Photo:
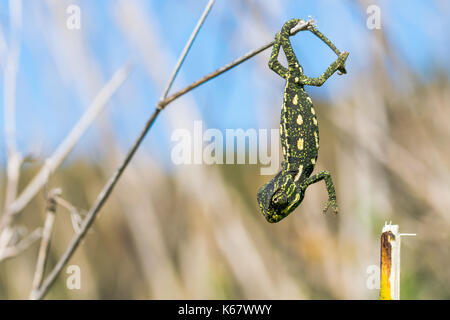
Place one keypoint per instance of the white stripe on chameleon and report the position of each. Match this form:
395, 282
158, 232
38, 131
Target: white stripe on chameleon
297, 176
313, 111
309, 99
295, 100
299, 120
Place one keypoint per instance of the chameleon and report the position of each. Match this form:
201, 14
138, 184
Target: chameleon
299, 131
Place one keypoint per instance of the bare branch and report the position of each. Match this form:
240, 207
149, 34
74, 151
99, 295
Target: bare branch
45, 242
187, 47
109, 186
75, 216
12, 251
301, 26
67, 145
9, 102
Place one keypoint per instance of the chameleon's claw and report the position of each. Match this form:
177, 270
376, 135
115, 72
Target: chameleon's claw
342, 71
342, 57
333, 204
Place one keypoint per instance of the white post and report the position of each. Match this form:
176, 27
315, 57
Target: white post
390, 262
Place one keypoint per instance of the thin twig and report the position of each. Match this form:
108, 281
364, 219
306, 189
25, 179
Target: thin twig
45, 241
25, 243
67, 145
188, 47
75, 216
109, 186
14, 159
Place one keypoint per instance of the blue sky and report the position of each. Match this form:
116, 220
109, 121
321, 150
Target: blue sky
50, 102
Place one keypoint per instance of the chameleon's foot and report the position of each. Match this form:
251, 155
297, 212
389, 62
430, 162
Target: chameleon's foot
333, 204
277, 37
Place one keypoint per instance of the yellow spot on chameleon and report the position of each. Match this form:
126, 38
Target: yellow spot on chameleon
295, 100
296, 79
313, 111
299, 120
300, 144
313, 161
315, 121
309, 99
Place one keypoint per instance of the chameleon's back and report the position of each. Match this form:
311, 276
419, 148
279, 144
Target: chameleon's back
299, 131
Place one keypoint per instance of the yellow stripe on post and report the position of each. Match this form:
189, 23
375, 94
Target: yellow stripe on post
386, 265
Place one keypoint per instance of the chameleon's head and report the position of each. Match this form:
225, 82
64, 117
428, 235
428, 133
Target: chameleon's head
279, 197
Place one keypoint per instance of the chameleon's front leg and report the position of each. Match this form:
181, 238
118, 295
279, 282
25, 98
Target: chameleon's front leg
324, 175
336, 65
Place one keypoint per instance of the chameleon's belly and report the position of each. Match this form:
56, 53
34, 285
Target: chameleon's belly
299, 132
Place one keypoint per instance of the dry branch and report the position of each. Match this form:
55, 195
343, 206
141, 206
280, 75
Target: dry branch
45, 241
67, 145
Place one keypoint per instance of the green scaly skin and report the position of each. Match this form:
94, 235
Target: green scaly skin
299, 132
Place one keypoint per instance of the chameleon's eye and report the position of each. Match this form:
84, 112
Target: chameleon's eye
279, 199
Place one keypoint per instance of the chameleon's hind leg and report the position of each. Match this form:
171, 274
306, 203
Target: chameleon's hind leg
274, 64
324, 175
285, 33
338, 64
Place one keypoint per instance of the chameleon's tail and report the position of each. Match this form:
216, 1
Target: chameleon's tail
327, 41
286, 29
322, 37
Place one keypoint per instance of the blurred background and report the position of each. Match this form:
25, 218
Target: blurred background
195, 231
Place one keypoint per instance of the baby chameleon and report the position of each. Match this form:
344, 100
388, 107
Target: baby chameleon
299, 132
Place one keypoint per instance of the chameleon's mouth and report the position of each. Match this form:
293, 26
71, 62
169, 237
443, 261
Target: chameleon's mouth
271, 213
264, 201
